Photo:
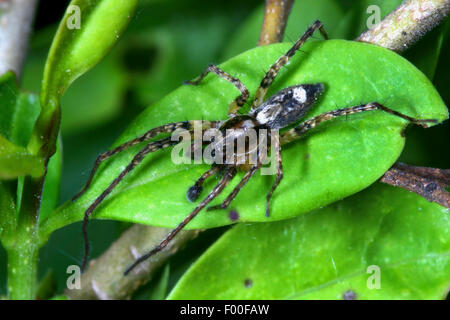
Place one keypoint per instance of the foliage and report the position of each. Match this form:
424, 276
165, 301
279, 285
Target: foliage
315, 245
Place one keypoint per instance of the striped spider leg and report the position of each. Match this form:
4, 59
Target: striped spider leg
284, 108
137, 159
269, 118
303, 127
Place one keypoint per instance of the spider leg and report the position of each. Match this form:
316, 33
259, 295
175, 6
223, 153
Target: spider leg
307, 125
278, 178
229, 174
283, 60
194, 192
151, 147
236, 190
239, 101
168, 128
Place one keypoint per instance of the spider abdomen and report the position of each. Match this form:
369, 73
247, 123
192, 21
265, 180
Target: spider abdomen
288, 105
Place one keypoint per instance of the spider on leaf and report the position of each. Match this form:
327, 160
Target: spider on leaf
284, 108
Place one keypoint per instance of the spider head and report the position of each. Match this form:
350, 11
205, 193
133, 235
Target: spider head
288, 105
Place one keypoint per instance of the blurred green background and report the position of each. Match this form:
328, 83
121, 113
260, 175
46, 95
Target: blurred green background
169, 41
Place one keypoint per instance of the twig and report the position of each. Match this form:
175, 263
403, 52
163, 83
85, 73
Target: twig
16, 18
407, 24
441, 176
430, 183
275, 18
104, 279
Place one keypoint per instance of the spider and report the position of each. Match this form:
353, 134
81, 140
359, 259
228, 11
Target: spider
284, 108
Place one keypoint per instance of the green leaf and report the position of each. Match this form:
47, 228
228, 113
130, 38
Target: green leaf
102, 104
18, 111
337, 159
8, 98
332, 252
16, 161
75, 50
18, 114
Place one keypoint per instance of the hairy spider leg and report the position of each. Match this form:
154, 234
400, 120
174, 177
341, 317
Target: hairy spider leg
275, 68
279, 176
297, 132
239, 101
168, 128
236, 190
194, 192
137, 159
228, 176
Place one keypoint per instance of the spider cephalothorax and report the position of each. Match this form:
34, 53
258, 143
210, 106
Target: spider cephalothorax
286, 107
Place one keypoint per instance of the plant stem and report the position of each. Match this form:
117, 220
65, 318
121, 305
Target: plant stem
407, 24
104, 279
23, 253
275, 18
22, 266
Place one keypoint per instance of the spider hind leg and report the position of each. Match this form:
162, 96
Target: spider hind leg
137, 159
300, 130
228, 176
194, 192
236, 190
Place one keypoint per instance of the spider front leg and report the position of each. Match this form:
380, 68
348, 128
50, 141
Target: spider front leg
239, 101
151, 147
228, 176
299, 131
168, 128
283, 60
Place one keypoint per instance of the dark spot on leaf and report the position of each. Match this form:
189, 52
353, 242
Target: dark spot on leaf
349, 295
307, 156
140, 58
248, 283
233, 215
404, 33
